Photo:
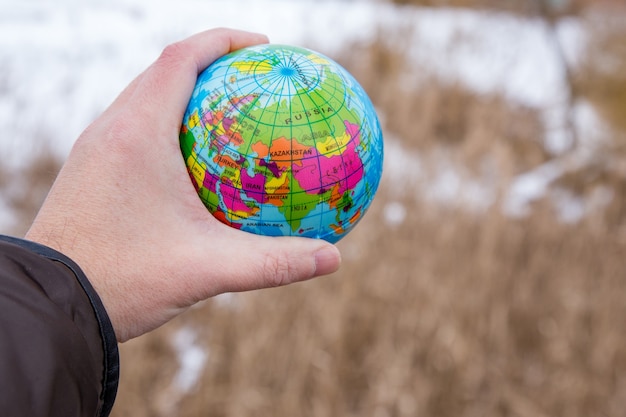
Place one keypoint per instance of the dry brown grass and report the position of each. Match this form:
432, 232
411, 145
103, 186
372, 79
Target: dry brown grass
602, 78
23, 190
449, 313
433, 113
443, 316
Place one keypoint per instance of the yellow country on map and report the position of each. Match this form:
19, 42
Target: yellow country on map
197, 169
253, 66
333, 145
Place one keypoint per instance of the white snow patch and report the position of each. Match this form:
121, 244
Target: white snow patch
394, 213
435, 177
191, 358
530, 187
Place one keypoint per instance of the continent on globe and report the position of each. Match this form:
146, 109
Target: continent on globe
282, 141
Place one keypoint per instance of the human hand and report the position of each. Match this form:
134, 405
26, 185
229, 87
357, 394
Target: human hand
123, 206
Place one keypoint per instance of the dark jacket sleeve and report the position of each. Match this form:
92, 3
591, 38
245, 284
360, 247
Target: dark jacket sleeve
58, 351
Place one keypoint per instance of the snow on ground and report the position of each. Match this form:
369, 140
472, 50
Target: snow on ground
62, 63
191, 357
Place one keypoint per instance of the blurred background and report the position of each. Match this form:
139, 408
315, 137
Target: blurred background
487, 279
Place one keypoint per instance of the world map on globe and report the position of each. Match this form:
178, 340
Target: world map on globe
282, 141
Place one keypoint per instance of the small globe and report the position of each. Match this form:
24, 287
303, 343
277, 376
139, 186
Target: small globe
282, 141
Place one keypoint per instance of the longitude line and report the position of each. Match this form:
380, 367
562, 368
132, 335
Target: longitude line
310, 125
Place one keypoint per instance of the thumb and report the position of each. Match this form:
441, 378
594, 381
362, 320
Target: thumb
264, 262
171, 78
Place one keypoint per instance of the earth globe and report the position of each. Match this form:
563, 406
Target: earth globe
282, 141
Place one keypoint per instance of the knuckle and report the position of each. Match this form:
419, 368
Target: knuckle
119, 136
174, 56
173, 53
277, 270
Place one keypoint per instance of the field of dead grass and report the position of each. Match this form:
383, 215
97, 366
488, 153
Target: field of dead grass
446, 315
445, 312
442, 312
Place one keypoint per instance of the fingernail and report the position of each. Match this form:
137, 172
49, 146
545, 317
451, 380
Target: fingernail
327, 260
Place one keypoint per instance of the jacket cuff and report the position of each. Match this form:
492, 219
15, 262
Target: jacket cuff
109, 341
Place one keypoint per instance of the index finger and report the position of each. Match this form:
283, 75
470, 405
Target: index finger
170, 80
